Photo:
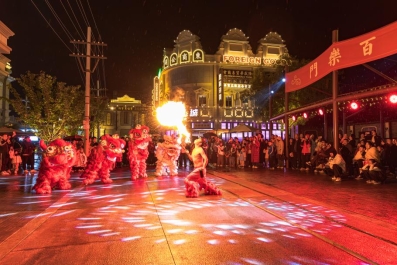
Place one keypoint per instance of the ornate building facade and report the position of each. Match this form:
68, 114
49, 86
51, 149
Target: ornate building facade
210, 85
5, 71
123, 114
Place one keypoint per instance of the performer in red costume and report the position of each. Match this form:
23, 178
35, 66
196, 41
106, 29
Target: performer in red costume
55, 167
196, 180
138, 151
102, 160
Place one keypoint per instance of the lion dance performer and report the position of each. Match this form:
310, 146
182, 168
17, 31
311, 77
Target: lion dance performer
138, 151
167, 154
55, 167
196, 180
102, 159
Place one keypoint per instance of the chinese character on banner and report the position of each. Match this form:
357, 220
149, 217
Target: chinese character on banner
334, 57
313, 67
367, 46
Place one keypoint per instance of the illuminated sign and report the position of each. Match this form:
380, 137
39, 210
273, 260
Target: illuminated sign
220, 89
193, 113
202, 125
173, 59
185, 58
253, 60
198, 56
237, 78
242, 59
156, 91
166, 62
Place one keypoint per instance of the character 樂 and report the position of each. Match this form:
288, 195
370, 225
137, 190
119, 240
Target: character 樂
138, 151
167, 154
102, 160
57, 161
196, 180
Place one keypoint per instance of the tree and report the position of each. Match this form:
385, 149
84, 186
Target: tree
51, 108
98, 111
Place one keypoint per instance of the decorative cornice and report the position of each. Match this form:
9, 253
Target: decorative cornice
186, 36
273, 38
236, 35
5, 31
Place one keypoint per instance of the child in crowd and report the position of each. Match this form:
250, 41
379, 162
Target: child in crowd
16, 160
81, 160
242, 157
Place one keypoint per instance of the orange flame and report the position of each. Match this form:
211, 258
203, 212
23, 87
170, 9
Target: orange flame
172, 114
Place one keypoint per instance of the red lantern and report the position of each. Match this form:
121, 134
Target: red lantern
393, 99
354, 105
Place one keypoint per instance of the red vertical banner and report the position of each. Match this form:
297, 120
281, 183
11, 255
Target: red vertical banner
362, 49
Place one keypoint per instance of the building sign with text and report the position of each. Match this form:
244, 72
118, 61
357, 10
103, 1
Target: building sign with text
220, 88
156, 91
237, 78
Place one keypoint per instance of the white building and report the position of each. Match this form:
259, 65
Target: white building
5, 71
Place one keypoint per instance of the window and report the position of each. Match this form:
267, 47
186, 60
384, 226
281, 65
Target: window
126, 117
108, 119
229, 101
273, 50
202, 100
236, 47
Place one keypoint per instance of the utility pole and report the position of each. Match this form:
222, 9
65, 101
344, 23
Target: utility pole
88, 71
97, 94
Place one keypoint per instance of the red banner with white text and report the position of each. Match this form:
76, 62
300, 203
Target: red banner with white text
371, 46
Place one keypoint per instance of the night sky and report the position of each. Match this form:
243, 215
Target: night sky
137, 31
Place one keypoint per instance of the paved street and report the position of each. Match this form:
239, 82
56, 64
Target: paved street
263, 217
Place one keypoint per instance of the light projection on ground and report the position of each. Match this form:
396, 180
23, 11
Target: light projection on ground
166, 216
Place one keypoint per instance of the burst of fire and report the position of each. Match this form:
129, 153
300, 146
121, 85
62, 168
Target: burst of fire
172, 114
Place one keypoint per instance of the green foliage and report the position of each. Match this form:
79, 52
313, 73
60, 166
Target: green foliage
50, 107
98, 111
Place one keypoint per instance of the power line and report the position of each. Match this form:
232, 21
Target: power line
74, 15
93, 18
71, 20
69, 35
51, 26
83, 13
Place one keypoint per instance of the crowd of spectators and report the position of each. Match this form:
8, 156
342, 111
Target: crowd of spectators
369, 157
15, 155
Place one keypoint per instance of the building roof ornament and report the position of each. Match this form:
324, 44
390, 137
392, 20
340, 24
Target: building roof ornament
186, 36
273, 38
235, 35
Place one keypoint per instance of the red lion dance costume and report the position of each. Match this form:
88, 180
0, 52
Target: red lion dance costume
55, 167
102, 160
138, 151
167, 154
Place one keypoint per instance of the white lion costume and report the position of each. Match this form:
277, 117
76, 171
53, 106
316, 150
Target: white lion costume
167, 154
